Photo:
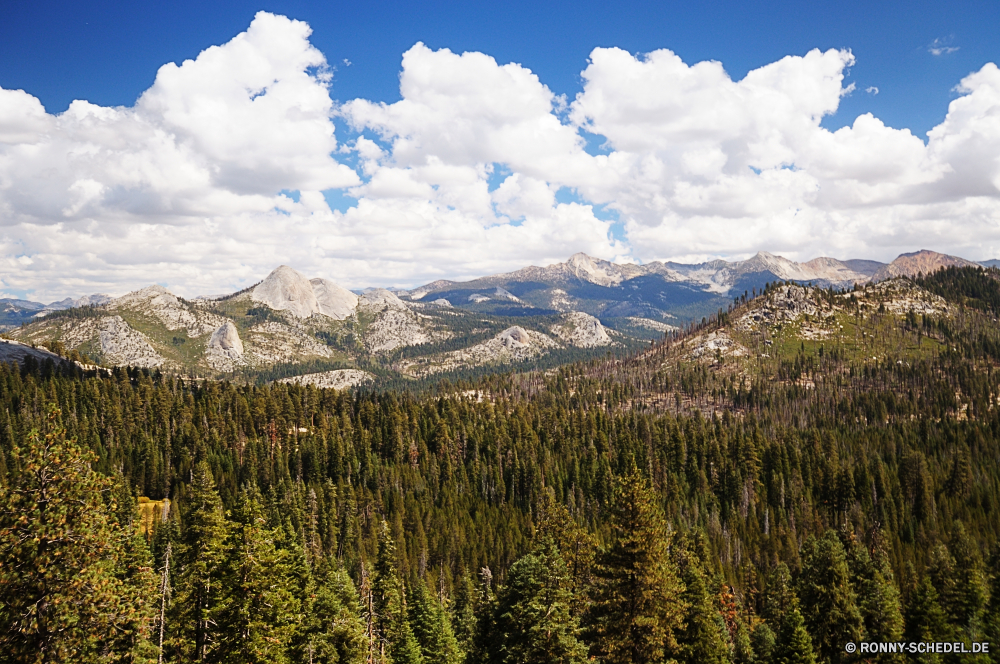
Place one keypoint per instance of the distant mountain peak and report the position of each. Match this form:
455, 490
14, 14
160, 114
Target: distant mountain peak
924, 261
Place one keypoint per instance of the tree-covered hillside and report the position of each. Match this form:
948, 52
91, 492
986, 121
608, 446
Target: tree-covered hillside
754, 490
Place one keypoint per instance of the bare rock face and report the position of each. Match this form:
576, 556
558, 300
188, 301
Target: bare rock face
515, 337
225, 349
334, 301
287, 290
582, 330
380, 298
227, 339
121, 345
158, 302
337, 379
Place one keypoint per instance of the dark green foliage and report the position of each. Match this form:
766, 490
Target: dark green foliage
661, 482
463, 611
793, 645
199, 596
532, 619
925, 619
637, 598
74, 584
764, 642
877, 594
397, 643
976, 287
431, 627
333, 630
827, 598
256, 621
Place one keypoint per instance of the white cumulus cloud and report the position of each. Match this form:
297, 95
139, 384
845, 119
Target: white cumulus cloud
221, 169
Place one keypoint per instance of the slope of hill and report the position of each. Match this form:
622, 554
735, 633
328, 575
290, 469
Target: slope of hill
805, 468
288, 321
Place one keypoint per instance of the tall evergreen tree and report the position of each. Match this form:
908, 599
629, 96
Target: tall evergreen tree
533, 622
703, 638
69, 588
199, 594
392, 625
334, 631
925, 619
463, 612
794, 644
256, 622
828, 600
992, 626
576, 546
878, 596
431, 628
637, 606
764, 641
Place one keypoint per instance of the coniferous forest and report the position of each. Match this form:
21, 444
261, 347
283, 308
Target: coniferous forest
652, 507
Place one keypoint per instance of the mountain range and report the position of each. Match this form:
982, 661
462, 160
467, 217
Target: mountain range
288, 325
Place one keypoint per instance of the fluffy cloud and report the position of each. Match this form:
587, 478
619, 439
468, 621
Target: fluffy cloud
705, 166
218, 172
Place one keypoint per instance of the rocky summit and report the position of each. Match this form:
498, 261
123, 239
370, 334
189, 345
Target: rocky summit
287, 290
289, 325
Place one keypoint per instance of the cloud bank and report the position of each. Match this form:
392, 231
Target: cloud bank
223, 169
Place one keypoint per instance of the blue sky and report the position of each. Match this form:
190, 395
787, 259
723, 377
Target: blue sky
392, 144
109, 52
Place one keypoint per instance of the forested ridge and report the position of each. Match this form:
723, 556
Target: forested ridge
646, 509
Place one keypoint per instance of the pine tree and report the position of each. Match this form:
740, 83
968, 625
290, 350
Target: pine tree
398, 645
575, 544
828, 601
969, 585
703, 638
925, 619
878, 596
256, 621
743, 651
992, 626
333, 631
69, 588
431, 628
198, 596
793, 645
533, 622
637, 606
463, 612
764, 642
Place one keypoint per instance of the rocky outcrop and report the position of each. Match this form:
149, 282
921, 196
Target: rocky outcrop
15, 351
287, 290
161, 304
514, 337
121, 345
581, 330
393, 324
515, 344
271, 342
334, 301
338, 379
225, 349
379, 299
